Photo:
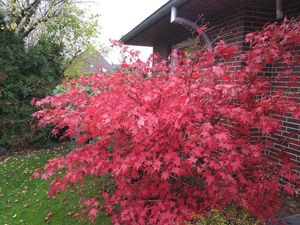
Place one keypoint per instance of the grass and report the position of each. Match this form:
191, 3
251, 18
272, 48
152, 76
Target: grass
25, 201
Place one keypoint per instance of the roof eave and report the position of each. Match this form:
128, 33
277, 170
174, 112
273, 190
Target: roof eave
152, 19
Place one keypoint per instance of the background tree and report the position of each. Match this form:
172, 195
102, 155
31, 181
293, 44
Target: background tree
61, 20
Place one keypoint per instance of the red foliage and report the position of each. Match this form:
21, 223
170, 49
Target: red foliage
177, 138
201, 29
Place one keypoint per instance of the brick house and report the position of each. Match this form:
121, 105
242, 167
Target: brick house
230, 20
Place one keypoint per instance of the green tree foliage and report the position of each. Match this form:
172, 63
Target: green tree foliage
75, 29
24, 75
227, 216
39, 39
78, 64
81, 63
60, 20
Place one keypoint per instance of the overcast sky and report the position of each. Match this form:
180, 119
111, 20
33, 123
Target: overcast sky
117, 17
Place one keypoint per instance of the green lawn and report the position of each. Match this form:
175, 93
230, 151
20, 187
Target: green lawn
25, 201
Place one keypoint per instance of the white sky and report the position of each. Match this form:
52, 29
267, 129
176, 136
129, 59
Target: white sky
118, 17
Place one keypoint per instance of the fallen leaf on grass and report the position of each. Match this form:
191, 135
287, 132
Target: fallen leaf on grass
65, 200
48, 215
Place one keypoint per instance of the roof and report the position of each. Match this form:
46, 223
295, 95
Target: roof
157, 26
96, 63
159, 14
88, 62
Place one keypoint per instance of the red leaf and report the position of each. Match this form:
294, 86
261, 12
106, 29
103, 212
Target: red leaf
93, 214
288, 188
165, 176
201, 30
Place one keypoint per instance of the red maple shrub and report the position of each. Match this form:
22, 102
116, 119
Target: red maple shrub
176, 137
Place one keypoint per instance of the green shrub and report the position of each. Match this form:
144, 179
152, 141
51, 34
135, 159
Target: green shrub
25, 75
226, 217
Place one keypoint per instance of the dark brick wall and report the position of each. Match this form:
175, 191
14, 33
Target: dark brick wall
287, 139
232, 27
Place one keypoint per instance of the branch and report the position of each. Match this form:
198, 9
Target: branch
46, 17
69, 62
33, 26
27, 11
27, 16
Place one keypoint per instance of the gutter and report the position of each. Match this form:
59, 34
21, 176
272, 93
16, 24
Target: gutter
152, 19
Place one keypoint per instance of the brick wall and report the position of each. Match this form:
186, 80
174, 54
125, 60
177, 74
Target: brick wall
229, 27
162, 49
287, 139
232, 27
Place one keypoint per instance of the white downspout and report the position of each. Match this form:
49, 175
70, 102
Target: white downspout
279, 9
190, 24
